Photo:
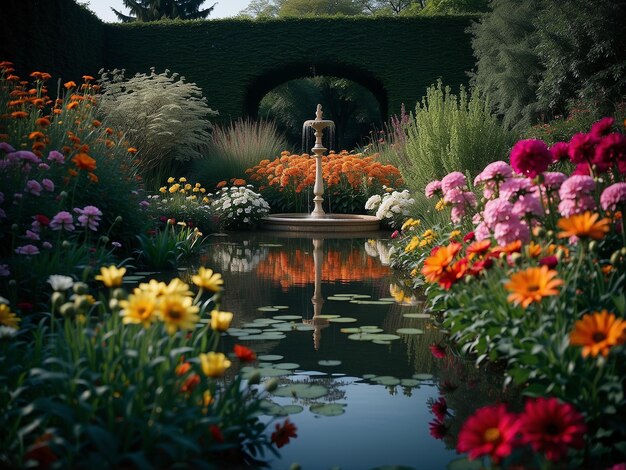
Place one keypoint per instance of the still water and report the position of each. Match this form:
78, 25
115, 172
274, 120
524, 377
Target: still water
350, 349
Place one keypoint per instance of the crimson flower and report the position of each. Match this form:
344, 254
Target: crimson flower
216, 432
244, 354
440, 408
530, 157
283, 433
551, 427
491, 431
438, 429
42, 219
469, 237
549, 261
437, 350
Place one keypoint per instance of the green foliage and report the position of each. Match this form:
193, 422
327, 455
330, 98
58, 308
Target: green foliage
154, 10
449, 132
448, 7
163, 117
159, 250
235, 147
313, 8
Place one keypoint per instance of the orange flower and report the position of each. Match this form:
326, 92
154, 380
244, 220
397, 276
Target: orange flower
72, 105
87, 78
182, 369
132, 150
584, 225
84, 162
239, 182
221, 184
190, 383
532, 285
38, 146
69, 84
478, 247
96, 123
36, 135
43, 122
92, 177
244, 354
597, 333
19, 114
439, 261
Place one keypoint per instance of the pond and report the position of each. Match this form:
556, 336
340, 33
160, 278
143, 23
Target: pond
351, 351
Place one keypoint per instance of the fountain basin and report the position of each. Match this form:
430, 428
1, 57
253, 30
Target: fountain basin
328, 223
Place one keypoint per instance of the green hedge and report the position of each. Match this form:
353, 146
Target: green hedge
237, 61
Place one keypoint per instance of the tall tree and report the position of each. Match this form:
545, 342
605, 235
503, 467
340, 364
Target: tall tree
155, 10
303, 8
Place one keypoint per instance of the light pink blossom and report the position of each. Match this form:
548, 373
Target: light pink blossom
433, 188
32, 235
27, 250
613, 197
456, 179
514, 188
89, 217
481, 232
552, 180
43, 166
576, 185
47, 184
46, 245
510, 231
496, 171
528, 206
55, 156
62, 221
33, 187
496, 211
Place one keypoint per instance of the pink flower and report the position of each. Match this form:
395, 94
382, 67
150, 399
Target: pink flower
55, 156
481, 232
559, 151
514, 188
610, 150
583, 203
27, 250
62, 221
4, 270
528, 206
440, 408
457, 213
144, 204
437, 350
552, 180
613, 196
497, 210
46, 245
510, 231
582, 147
602, 127
33, 187
395, 234
456, 179
549, 261
89, 217
530, 157
573, 186
47, 184
433, 188
497, 172
32, 235
1, 197
438, 429
43, 166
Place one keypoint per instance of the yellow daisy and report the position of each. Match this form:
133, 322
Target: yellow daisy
207, 279
177, 312
111, 276
141, 307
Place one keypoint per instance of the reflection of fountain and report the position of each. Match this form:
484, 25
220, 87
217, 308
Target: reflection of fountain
317, 300
318, 220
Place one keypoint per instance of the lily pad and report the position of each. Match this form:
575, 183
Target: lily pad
267, 309
409, 382
337, 298
343, 320
270, 357
301, 391
423, 376
409, 331
303, 327
416, 315
329, 362
328, 409
327, 317
280, 307
381, 341
369, 376
351, 330
288, 317
264, 372
287, 365
386, 380
371, 302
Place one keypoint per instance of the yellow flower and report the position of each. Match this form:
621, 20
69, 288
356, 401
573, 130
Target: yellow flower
207, 398
532, 285
156, 288
429, 234
174, 188
441, 204
454, 234
176, 286
214, 364
141, 307
8, 318
205, 199
187, 187
182, 180
584, 225
177, 312
163, 189
202, 190
170, 180
412, 244
207, 279
220, 321
111, 276
411, 223
597, 333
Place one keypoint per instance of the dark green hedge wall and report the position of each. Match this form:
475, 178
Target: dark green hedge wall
237, 61
54, 36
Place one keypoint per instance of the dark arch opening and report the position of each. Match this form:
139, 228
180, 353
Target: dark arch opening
264, 83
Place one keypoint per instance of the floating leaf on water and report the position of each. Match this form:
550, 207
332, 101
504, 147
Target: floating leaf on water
387, 299
423, 376
371, 329
380, 341
361, 296
361, 337
280, 307
267, 309
370, 302
343, 320
344, 295
398, 467
416, 315
263, 336
301, 391
269, 357
266, 321
264, 372
303, 327
329, 362
351, 330
335, 297
409, 382
328, 409
386, 380
410, 331
292, 409
281, 326
384, 336
369, 376
328, 316
288, 317
287, 365
146, 273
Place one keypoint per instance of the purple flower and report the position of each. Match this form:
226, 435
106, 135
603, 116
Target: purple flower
530, 157
116, 244
62, 221
33, 187
496, 211
613, 196
32, 235
510, 231
46, 245
559, 151
433, 188
27, 250
55, 156
456, 179
4, 270
497, 171
6, 148
25, 155
144, 204
582, 147
513, 189
43, 166
47, 184
602, 127
528, 206
89, 216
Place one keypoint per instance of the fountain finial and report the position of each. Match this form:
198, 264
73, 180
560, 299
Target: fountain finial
318, 113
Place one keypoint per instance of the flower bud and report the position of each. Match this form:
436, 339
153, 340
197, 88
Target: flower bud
515, 258
114, 303
57, 299
62, 194
622, 251
104, 239
550, 234
80, 288
66, 244
118, 219
593, 245
271, 385
615, 257
67, 309
255, 378
82, 302
119, 293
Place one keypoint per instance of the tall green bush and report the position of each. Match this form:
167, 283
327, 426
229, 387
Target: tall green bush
451, 133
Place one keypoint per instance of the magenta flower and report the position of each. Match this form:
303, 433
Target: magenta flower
438, 429
47, 184
549, 261
530, 157
33, 187
6, 148
4, 270
582, 147
559, 151
440, 408
27, 250
62, 221
610, 150
89, 217
456, 179
613, 196
55, 156
602, 127
438, 351
43, 166
433, 188
32, 235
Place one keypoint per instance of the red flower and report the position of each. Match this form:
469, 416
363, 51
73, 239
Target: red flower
549, 261
437, 350
440, 408
182, 369
491, 431
559, 151
190, 383
42, 219
395, 234
551, 427
611, 149
469, 237
438, 429
41, 452
478, 267
283, 433
582, 147
244, 354
454, 273
530, 157
216, 432
602, 127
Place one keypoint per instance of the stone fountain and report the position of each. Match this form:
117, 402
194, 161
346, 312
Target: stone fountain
318, 220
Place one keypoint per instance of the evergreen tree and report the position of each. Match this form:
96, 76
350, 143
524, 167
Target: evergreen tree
155, 10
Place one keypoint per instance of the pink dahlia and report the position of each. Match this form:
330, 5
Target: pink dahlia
456, 179
530, 157
433, 188
510, 231
514, 188
613, 196
496, 211
497, 171
62, 221
576, 185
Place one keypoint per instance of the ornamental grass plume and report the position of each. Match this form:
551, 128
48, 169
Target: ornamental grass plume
532, 285
597, 333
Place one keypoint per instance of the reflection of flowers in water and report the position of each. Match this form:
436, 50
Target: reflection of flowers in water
402, 296
238, 258
379, 249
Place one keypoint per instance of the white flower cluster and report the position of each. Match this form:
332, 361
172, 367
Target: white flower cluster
237, 258
239, 207
380, 249
392, 207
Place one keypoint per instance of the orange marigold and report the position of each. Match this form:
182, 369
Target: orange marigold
84, 162
532, 285
584, 225
439, 261
597, 333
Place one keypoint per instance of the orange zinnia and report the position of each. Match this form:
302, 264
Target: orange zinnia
597, 333
69, 84
584, 225
532, 285
84, 162
438, 262
19, 114
43, 122
72, 105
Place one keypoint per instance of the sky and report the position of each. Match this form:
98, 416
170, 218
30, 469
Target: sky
223, 9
